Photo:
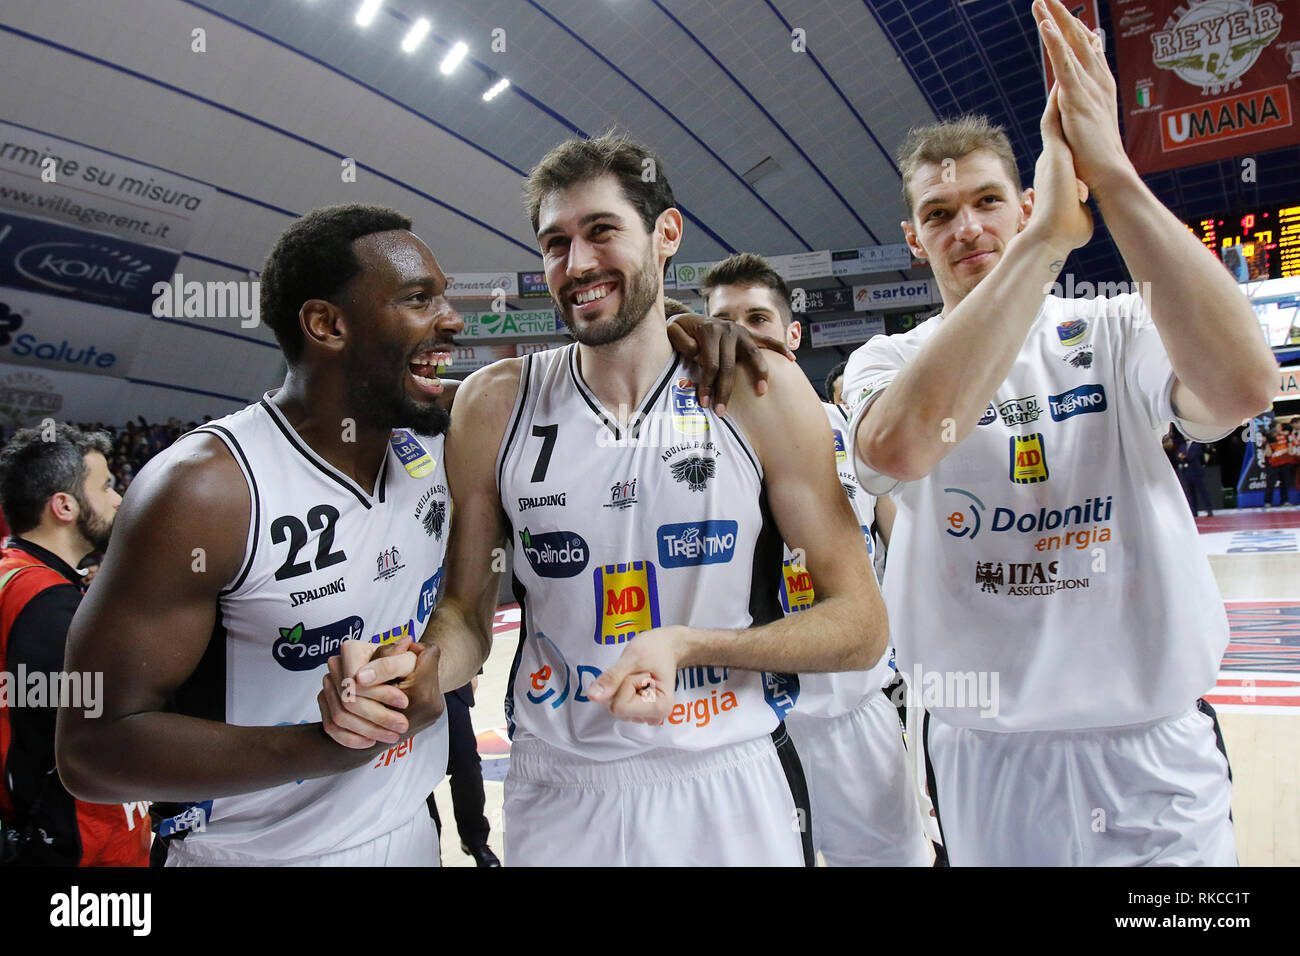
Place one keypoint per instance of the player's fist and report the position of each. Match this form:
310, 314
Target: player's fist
639, 687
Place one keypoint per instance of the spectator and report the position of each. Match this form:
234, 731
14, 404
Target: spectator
59, 499
1191, 475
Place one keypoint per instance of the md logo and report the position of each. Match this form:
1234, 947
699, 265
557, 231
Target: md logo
300, 649
627, 601
696, 542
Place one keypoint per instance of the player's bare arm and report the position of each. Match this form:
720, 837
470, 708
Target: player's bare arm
845, 629
461, 625
179, 540
936, 400
1225, 371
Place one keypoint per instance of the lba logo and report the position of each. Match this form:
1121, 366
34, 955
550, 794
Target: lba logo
627, 601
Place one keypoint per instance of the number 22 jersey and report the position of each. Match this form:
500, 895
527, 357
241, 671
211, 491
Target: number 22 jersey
324, 562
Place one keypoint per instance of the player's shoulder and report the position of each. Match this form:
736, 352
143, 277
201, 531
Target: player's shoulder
196, 476
491, 388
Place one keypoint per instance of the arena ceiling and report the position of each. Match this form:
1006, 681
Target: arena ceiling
768, 149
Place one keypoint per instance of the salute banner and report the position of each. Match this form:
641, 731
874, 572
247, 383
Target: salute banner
1206, 80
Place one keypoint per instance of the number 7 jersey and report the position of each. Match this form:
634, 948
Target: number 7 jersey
324, 562
619, 531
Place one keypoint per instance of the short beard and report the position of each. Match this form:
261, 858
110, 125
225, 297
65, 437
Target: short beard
95, 528
639, 295
384, 407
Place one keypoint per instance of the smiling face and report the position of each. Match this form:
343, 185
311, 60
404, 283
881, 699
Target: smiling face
402, 330
963, 216
605, 272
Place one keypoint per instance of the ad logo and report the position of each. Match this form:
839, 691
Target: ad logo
841, 453
1077, 401
688, 417
989, 417
411, 453
963, 524
1019, 411
299, 649
622, 495
428, 597
544, 501
1028, 464
694, 543
555, 554
1073, 332
796, 588
387, 563
627, 601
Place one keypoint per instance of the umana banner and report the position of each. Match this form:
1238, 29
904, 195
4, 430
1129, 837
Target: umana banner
1204, 80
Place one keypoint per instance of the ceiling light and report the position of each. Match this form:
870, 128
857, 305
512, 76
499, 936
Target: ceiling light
496, 88
415, 36
367, 11
453, 58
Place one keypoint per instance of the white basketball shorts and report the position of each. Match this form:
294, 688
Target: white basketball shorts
742, 805
864, 809
414, 843
1156, 793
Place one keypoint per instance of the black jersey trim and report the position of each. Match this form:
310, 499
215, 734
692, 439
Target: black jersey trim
228, 437
516, 418
653, 398
744, 444
311, 456
642, 410
766, 569
844, 412
382, 483
932, 784
521, 595
792, 766
588, 397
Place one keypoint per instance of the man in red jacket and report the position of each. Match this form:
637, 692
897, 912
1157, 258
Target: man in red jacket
58, 498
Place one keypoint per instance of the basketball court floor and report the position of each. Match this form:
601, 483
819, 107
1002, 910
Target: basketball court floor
1256, 560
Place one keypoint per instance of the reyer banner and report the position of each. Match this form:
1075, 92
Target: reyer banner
1203, 80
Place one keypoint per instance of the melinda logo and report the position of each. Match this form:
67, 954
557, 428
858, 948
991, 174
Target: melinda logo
696, 542
1077, 401
554, 554
299, 649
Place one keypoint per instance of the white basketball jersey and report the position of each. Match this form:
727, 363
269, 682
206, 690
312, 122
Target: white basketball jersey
619, 531
325, 562
829, 695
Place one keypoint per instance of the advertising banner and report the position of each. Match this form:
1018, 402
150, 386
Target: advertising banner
482, 285
887, 258
51, 178
1208, 80
505, 325
893, 295
847, 331
69, 335
61, 261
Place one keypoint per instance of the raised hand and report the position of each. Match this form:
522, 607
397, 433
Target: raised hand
1089, 110
1061, 216
714, 346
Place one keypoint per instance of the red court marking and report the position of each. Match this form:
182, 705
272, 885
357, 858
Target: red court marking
1251, 519
506, 620
1263, 654
493, 743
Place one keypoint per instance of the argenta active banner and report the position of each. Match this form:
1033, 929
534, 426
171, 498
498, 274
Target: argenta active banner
1202, 80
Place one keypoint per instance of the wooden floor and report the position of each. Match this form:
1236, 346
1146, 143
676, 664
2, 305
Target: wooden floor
1262, 736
